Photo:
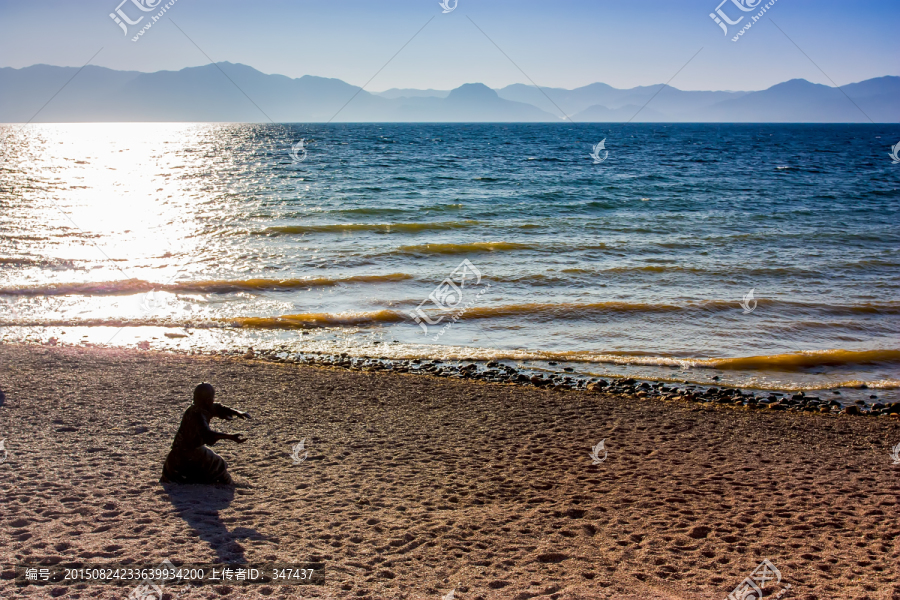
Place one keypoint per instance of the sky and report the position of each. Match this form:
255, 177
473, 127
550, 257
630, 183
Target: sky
414, 44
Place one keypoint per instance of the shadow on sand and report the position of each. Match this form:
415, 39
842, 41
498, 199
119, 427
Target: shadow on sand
199, 506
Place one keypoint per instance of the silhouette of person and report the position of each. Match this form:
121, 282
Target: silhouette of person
189, 460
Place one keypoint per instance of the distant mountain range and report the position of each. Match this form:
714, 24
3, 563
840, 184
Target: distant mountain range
205, 94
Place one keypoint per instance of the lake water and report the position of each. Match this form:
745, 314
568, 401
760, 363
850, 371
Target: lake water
209, 236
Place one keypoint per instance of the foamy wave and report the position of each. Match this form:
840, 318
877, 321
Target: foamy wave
792, 362
776, 362
805, 360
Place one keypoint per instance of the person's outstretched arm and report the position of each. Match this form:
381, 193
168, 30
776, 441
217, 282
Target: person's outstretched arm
210, 437
223, 412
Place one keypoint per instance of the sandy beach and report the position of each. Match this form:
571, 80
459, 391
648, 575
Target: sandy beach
417, 486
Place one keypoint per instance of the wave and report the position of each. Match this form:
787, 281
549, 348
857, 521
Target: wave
577, 310
295, 321
793, 362
138, 286
799, 362
376, 227
548, 311
808, 359
370, 211
307, 320
21, 261
790, 362
465, 248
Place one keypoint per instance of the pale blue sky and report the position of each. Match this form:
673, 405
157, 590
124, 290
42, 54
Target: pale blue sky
558, 44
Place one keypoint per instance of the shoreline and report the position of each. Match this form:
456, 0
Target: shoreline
500, 373
825, 401
416, 486
845, 376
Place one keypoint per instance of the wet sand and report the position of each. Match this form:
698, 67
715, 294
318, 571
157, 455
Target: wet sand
415, 486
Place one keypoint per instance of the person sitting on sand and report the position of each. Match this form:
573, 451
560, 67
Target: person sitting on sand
190, 461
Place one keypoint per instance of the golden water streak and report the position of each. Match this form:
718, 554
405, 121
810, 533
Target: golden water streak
139, 286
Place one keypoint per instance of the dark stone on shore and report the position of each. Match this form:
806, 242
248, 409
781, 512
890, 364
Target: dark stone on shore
499, 373
863, 387
716, 378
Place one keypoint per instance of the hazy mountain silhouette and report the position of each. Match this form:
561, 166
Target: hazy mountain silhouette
468, 103
411, 93
798, 100
629, 112
669, 101
206, 94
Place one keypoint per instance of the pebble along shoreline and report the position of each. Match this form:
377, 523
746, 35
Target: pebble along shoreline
497, 372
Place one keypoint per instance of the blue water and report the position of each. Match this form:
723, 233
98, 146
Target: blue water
638, 265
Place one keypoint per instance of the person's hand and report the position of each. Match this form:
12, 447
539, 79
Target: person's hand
238, 438
245, 415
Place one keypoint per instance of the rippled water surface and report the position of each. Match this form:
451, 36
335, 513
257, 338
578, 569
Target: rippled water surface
210, 235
